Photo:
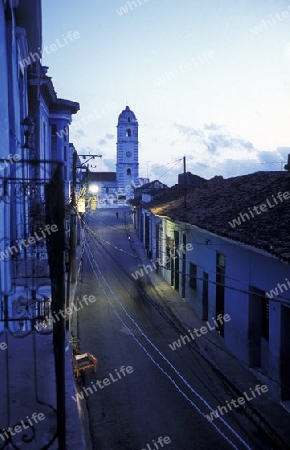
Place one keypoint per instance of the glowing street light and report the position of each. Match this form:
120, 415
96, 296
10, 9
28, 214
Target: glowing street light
93, 188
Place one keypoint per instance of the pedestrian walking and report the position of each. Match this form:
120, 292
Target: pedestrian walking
117, 214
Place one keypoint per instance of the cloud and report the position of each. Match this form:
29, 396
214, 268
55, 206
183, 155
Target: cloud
109, 165
265, 157
274, 160
215, 151
77, 134
211, 146
211, 126
207, 152
166, 174
281, 153
245, 144
104, 140
235, 167
188, 131
214, 138
210, 149
215, 143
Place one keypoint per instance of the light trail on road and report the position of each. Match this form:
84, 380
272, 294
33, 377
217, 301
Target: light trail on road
118, 271
94, 263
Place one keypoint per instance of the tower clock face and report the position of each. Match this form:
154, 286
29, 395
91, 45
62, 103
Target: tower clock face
128, 154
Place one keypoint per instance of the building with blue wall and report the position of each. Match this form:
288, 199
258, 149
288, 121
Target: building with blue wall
35, 182
27, 93
226, 250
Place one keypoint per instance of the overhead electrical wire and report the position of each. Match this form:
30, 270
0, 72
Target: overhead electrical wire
226, 286
197, 278
167, 318
161, 311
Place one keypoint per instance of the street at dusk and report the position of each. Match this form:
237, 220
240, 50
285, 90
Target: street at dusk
167, 393
144, 225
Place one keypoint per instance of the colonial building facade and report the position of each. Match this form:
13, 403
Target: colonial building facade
236, 262
35, 177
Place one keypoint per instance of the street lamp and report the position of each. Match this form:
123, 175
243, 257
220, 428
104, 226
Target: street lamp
82, 165
28, 128
93, 188
75, 166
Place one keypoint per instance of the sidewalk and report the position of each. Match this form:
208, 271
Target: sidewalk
80, 415
265, 410
29, 385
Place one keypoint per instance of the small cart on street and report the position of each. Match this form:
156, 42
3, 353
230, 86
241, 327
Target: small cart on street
84, 361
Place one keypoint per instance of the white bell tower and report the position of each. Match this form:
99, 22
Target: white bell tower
127, 166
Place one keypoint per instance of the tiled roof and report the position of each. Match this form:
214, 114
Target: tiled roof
167, 195
156, 184
220, 201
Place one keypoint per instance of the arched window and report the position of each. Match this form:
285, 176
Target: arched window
129, 120
128, 171
128, 133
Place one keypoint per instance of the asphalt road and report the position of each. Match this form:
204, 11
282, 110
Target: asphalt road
143, 390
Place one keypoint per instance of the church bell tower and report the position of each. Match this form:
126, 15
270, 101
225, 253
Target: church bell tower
127, 151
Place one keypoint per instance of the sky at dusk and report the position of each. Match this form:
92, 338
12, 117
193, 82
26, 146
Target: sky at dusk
207, 79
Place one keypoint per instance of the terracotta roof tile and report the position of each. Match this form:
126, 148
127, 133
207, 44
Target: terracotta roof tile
220, 201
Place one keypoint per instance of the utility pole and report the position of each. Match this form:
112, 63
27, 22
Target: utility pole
185, 181
54, 192
73, 221
72, 243
287, 166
